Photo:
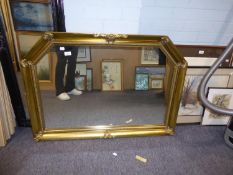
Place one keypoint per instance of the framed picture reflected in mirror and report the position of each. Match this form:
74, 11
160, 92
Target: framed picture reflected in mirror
150, 55
112, 75
84, 54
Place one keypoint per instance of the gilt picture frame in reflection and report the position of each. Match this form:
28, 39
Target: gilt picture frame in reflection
112, 75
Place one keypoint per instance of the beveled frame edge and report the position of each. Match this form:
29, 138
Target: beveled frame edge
43, 83
94, 134
34, 98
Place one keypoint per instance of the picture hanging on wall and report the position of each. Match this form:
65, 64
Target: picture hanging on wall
191, 109
84, 54
112, 75
150, 55
141, 81
221, 97
31, 16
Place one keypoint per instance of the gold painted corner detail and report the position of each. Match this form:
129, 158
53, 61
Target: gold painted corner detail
24, 63
110, 38
164, 40
37, 138
48, 36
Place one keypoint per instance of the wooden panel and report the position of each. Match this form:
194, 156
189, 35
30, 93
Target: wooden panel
209, 51
130, 59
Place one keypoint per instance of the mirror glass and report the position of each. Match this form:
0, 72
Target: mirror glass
102, 85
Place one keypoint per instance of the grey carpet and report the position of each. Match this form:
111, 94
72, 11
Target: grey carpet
104, 108
194, 150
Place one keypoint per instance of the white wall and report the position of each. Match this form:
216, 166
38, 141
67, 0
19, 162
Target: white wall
102, 16
200, 22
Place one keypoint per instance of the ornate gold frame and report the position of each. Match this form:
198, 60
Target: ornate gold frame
176, 62
44, 84
5, 8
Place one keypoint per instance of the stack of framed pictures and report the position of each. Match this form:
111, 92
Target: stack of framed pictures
191, 109
149, 77
83, 75
152, 56
151, 74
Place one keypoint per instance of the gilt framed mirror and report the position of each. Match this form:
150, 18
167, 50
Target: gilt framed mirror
115, 97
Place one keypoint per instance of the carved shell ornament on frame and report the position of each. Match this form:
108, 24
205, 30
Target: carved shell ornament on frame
110, 38
48, 36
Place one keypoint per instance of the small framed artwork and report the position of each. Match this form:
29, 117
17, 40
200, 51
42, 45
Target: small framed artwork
158, 70
32, 16
221, 97
84, 54
150, 55
156, 82
81, 69
191, 109
141, 82
200, 61
89, 79
80, 82
112, 75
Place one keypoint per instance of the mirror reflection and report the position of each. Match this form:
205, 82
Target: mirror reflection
102, 85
